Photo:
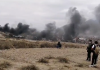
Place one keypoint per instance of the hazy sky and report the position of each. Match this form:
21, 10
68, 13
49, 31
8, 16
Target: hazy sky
37, 13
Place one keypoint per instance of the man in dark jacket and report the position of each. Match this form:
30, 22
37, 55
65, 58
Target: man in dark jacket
95, 49
89, 50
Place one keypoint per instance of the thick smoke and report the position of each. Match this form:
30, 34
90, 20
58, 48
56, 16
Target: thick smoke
77, 27
21, 28
49, 32
94, 24
97, 14
71, 31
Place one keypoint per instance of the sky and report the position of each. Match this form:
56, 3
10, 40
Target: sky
37, 13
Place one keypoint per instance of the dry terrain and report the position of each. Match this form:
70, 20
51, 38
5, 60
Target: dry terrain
46, 59
42, 55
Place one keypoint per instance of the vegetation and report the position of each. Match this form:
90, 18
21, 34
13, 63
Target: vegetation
81, 65
43, 61
49, 57
31, 67
11, 43
5, 65
63, 60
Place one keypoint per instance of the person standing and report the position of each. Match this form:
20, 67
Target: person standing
89, 50
95, 49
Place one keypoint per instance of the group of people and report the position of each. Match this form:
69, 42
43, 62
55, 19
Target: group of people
93, 48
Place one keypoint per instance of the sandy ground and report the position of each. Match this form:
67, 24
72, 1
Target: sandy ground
23, 57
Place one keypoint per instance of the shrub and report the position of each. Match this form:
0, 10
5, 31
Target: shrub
47, 45
63, 60
81, 65
1, 68
5, 65
31, 67
5, 44
67, 66
74, 45
43, 61
11, 43
49, 57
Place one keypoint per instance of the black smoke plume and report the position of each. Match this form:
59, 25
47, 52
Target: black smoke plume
71, 30
77, 27
49, 32
21, 28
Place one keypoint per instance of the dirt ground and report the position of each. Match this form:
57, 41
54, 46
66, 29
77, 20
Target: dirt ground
23, 57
